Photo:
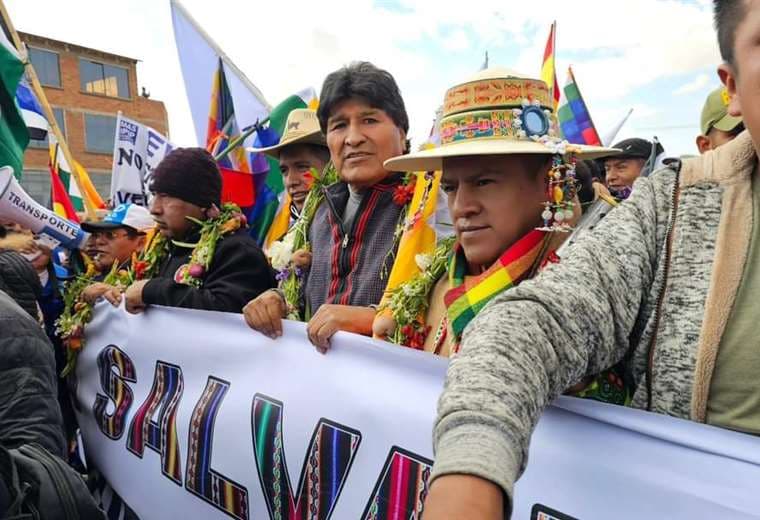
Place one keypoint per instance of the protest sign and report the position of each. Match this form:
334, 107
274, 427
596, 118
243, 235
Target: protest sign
137, 151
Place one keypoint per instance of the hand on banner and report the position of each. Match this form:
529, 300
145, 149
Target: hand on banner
133, 296
459, 497
92, 292
265, 313
329, 319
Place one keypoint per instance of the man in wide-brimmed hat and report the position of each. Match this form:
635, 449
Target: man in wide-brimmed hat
668, 280
511, 193
301, 150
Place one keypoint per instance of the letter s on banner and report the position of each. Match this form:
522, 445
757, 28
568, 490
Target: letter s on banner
116, 388
160, 435
329, 457
200, 479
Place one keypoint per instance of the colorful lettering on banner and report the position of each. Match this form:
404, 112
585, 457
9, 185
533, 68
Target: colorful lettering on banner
116, 388
328, 461
201, 480
160, 435
401, 489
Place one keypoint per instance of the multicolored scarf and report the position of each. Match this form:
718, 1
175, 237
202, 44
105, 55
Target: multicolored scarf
468, 296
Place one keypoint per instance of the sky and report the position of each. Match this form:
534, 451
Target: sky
658, 57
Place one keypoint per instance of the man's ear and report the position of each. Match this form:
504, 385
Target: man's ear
703, 144
728, 77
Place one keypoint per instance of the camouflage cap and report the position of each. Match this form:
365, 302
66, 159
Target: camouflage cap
715, 113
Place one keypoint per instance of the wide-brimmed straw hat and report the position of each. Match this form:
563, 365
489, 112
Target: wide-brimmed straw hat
302, 127
497, 112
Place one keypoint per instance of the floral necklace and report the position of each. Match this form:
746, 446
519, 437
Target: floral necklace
77, 312
408, 302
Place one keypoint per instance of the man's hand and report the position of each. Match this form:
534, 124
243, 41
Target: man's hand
329, 319
134, 298
97, 290
463, 497
265, 313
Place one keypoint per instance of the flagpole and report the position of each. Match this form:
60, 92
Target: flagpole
238, 140
554, 59
46, 108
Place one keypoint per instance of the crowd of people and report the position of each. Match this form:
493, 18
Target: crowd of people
653, 309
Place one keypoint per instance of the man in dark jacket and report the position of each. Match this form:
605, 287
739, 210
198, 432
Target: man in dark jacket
29, 410
187, 185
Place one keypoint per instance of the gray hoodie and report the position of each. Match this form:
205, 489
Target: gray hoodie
654, 282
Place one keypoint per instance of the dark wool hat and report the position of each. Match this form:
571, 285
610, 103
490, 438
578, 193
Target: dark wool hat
190, 174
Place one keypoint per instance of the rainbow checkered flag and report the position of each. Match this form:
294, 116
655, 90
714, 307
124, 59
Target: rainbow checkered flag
574, 118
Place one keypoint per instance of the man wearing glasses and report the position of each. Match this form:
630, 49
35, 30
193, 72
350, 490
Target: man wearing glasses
120, 234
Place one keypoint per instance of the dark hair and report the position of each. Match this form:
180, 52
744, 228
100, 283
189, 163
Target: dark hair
362, 80
728, 16
585, 182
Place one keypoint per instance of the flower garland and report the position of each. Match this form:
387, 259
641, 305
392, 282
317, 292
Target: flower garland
290, 275
409, 301
77, 312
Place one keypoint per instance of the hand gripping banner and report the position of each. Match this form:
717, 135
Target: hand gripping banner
191, 414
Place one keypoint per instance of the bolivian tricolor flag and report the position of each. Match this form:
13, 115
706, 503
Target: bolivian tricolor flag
60, 167
59, 199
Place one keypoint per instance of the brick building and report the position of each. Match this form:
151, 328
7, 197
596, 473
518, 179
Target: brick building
86, 88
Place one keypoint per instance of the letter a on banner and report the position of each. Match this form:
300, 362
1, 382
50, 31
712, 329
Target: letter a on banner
116, 388
201, 480
402, 487
160, 435
328, 461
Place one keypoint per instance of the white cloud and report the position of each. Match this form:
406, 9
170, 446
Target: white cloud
697, 84
616, 48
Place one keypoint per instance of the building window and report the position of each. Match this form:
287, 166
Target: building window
37, 184
61, 120
99, 133
100, 78
46, 66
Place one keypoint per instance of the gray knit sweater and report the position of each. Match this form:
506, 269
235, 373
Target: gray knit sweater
655, 281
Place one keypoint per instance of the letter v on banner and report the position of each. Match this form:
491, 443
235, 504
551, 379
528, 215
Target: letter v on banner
402, 487
116, 388
328, 461
216, 489
160, 435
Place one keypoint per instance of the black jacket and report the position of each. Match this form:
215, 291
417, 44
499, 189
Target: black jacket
29, 410
20, 281
239, 272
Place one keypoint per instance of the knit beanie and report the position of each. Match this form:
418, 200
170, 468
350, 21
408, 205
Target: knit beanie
189, 174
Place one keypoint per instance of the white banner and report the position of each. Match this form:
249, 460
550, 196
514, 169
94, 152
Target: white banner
137, 151
191, 414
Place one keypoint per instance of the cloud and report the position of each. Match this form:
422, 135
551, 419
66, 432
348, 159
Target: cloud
617, 49
699, 83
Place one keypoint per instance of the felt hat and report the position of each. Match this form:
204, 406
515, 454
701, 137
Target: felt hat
496, 112
301, 127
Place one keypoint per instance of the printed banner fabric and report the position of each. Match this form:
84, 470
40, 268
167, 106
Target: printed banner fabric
191, 414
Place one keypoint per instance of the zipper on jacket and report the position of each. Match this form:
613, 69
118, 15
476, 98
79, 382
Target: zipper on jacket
59, 479
338, 218
661, 296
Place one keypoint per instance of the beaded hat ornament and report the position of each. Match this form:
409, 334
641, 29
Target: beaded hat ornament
499, 112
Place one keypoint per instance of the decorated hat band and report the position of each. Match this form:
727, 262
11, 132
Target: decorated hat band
495, 92
526, 123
